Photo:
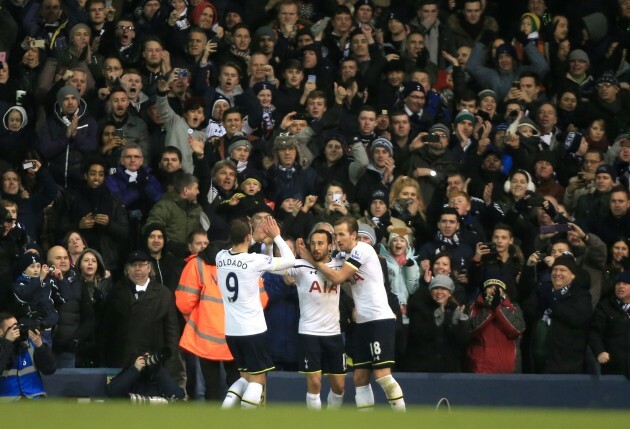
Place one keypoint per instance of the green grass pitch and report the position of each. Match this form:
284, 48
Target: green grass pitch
68, 415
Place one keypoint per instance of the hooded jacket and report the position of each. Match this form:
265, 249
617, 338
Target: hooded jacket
65, 154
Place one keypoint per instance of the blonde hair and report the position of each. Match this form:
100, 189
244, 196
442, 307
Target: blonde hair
402, 182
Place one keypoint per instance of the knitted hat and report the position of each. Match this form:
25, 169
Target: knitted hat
411, 87
198, 10
360, 3
238, 141
28, 259
545, 155
251, 174
282, 142
366, 230
465, 115
534, 18
65, 91
567, 261
439, 127
623, 277
579, 55
384, 143
379, 194
398, 15
405, 233
494, 277
487, 93
505, 49
394, 65
607, 169
263, 85
443, 281
266, 31
608, 78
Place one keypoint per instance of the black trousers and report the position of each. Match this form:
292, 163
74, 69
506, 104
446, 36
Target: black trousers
211, 371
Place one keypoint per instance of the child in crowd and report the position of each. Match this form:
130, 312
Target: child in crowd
33, 291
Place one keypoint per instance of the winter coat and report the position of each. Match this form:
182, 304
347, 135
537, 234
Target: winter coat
433, 348
494, 337
610, 332
403, 280
76, 318
64, 154
299, 185
35, 300
281, 315
179, 217
140, 195
137, 326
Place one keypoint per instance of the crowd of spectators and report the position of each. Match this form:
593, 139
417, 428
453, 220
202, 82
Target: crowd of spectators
484, 147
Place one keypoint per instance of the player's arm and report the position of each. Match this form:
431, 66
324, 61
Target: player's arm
287, 258
337, 276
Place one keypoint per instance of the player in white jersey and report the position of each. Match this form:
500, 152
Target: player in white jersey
245, 328
372, 345
321, 348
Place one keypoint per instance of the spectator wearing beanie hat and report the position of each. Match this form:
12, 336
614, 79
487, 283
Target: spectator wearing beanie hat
432, 163
500, 79
378, 216
67, 137
167, 267
594, 206
462, 137
438, 329
610, 104
560, 313
413, 97
610, 320
496, 326
379, 173
404, 272
577, 78
288, 176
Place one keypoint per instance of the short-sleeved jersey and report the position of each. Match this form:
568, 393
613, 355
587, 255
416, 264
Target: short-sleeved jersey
238, 275
319, 299
368, 289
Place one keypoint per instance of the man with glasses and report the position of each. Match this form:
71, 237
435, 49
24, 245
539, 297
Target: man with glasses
141, 317
136, 186
610, 104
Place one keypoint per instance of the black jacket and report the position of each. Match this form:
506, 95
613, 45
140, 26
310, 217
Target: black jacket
610, 332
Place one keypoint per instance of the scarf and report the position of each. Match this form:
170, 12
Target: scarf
431, 42
625, 308
446, 241
268, 123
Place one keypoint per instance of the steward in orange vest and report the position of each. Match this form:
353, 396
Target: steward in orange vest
198, 298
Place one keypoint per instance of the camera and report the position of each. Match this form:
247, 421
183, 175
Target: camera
51, 269
431, 138
541, 255
182, 73
24, 330
157, 358
516, 84
336, 197
27, 165
119, 133
552, 229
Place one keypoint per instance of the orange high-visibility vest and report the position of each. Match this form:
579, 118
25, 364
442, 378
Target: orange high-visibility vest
199, 299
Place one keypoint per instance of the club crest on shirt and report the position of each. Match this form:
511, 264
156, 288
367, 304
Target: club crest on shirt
355, 254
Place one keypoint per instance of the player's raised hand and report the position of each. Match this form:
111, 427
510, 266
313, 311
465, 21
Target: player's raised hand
303, 250
271, 227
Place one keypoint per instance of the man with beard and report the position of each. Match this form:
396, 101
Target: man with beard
321, 347
179, 128
167, 267
134, 130
179, 213
96, 213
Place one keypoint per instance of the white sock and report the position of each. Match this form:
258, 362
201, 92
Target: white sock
252, 395
393, 392
364, 398
313, 401
334, 400
235, 393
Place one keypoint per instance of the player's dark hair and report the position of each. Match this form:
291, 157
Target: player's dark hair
350, 222
328, 235
239, 229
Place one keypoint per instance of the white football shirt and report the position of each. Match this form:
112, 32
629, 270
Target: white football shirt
319, 299
238, 275
368, 289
